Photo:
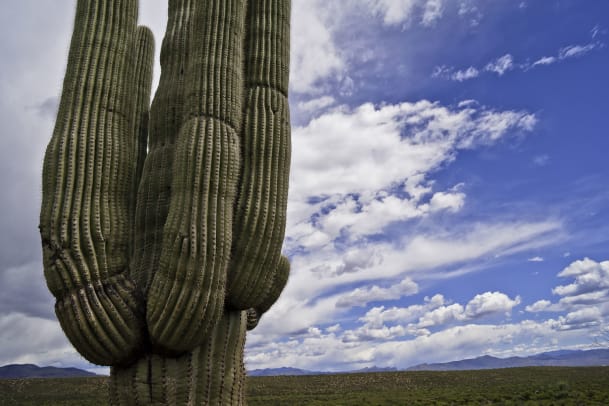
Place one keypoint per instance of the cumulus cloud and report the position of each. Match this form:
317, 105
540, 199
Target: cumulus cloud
500, 65
590, 276
396, 12
432, 12
315, 56
362, 296
316, 104
585, 300
579, 319
539, 306
424, 12
489, 303
436, 312
401, 345
349, 160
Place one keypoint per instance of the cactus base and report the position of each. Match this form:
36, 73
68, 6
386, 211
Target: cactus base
212, 374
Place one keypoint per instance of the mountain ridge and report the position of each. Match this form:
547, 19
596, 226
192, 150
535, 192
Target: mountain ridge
559, 358
21, 371
564, 358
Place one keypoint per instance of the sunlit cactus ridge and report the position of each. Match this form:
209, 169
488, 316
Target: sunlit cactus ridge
162, 225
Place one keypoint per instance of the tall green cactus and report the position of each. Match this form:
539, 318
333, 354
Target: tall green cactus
162, 229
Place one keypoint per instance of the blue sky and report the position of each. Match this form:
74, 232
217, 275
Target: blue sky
448, 193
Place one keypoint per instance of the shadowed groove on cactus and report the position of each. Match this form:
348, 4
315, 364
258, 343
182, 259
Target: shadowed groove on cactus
144, 42
161, 227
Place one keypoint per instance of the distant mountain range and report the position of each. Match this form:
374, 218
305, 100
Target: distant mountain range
20, 371
562, 358
297, 372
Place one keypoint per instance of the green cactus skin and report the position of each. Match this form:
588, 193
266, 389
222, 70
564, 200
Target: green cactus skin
265, 152
211, 374
162, 228
278, 282
88, 172
166, 119
187, 293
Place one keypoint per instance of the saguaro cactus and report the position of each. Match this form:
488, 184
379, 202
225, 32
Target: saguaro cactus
162, 228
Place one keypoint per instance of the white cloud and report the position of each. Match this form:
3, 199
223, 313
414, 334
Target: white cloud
590, 276
423, 256
539, 306
401, 346
451, 201
506, 62
489, 303
567, 52
394, 11
573, 51
314, 54
579, 319
384, 324
501, 65
432, 12
362, 296
545, 60
536, 259
442, 315
378, 316
372, 147
316, 104
462, 75
589, 290
471, 11
482, 305
446, 72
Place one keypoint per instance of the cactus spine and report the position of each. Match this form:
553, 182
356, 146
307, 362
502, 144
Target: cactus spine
162, 229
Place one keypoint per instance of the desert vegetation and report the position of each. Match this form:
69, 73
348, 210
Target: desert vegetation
511, 386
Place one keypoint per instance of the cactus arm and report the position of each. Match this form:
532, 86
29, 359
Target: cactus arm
166, 118
87, 174
259, 224
279, 280
187, 293
141, 88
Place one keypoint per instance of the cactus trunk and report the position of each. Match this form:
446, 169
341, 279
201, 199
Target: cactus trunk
162, 228
211, 374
